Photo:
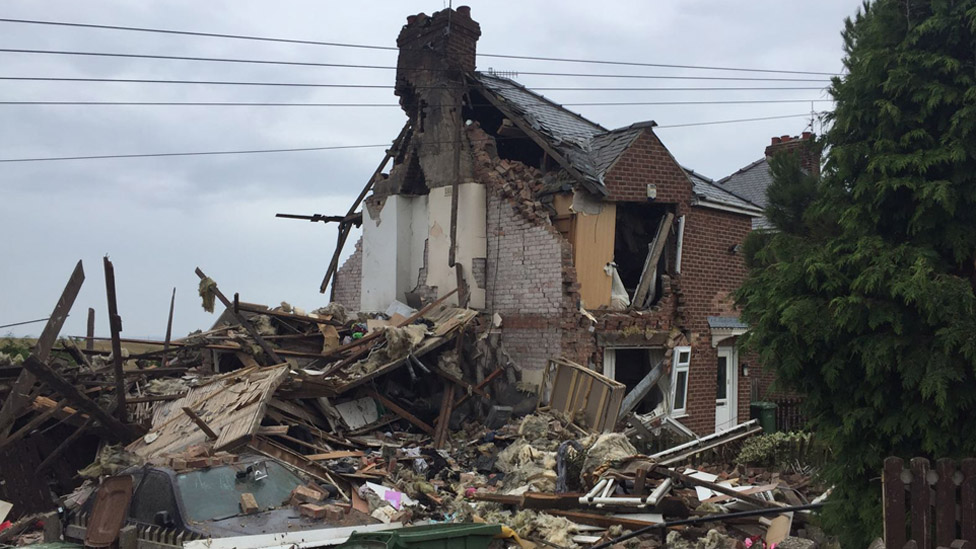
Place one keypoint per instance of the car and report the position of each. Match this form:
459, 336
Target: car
205, 503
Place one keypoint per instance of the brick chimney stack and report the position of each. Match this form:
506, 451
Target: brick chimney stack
435, 50
804, 145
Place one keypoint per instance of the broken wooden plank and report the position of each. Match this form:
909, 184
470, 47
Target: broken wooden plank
640, 391
154, 398
603, 521
400, 411
318, 471
18, 396
447, 406
34, 423
169, 327
921, 504
491, 377
200, 423
265, 346
46, 374
715, 487
645, 288
285, 316
115, 326
338, 454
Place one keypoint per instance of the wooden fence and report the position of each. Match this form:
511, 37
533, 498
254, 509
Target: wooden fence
939, 505
788, 414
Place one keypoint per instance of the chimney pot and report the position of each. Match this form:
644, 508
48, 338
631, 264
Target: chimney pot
785, 138
774, 141
465, 11
807, 135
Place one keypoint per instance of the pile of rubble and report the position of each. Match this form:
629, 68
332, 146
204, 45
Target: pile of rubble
407, 417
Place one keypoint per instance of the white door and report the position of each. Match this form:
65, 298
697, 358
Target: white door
726, 415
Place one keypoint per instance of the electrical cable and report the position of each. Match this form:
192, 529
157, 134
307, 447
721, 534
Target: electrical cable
372, 105
382, 67
329, 148
381, 86
392, 48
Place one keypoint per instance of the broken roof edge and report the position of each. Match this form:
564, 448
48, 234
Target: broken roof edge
745, 207
592, 184
578, 116
708, 202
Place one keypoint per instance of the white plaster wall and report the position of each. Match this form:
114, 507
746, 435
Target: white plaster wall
379, 281
393, 250
471, 235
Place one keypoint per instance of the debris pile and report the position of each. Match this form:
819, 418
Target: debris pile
377, 421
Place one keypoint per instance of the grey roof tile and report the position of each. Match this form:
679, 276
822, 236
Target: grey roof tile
707, 190
750, 182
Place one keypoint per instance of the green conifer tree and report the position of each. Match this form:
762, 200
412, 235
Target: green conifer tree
864, 299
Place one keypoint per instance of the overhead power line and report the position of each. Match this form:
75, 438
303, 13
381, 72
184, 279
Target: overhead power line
715, 122
373, 105
330, 148
391, 48
383, 67
378, 86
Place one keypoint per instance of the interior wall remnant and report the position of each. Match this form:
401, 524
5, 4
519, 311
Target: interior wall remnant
394, 231
471, 239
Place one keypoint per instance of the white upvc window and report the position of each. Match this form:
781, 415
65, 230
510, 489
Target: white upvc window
679, 380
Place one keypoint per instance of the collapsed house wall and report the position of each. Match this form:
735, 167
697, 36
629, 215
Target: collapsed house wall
348, 279
530, 279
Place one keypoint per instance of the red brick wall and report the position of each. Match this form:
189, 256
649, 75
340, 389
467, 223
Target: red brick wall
709, 272
348, 279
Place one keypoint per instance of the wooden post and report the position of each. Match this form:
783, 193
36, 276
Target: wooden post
945, 503
921, 509
169, 328
400, 411
90, 339
115, 325
211, 434
893, 501
968, 499
19, 393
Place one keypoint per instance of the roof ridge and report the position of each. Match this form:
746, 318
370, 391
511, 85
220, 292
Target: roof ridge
544, 98
745, 168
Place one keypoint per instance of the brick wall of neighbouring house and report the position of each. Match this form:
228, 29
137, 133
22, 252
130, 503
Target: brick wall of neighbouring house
647, 161
349, 279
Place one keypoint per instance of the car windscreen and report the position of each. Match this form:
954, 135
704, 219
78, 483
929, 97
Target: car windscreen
215, 493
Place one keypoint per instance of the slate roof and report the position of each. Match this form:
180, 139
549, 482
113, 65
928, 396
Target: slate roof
751, 182
590, 148
708, 191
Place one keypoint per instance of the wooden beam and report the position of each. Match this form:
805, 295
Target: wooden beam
268, 349
603, 521
200, 423
400, 411
491, 377
34, 423
285, 316
19, 394
645, 288
46, 374
115, 325
689, 480
169, 327
640, 391
154, 398
447, 406
344, 226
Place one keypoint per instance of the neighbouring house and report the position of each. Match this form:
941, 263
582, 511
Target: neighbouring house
574, 240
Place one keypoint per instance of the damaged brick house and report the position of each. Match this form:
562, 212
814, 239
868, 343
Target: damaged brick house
573, 240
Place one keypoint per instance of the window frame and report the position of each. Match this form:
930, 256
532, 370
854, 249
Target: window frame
679, 367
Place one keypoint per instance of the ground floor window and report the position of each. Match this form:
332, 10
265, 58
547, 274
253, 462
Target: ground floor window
630, 366
679, 384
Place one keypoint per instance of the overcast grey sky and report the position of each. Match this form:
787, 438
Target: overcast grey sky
158, 218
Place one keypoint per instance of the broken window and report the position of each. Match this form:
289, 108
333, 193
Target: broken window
679, 385
642, 249
630, 366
